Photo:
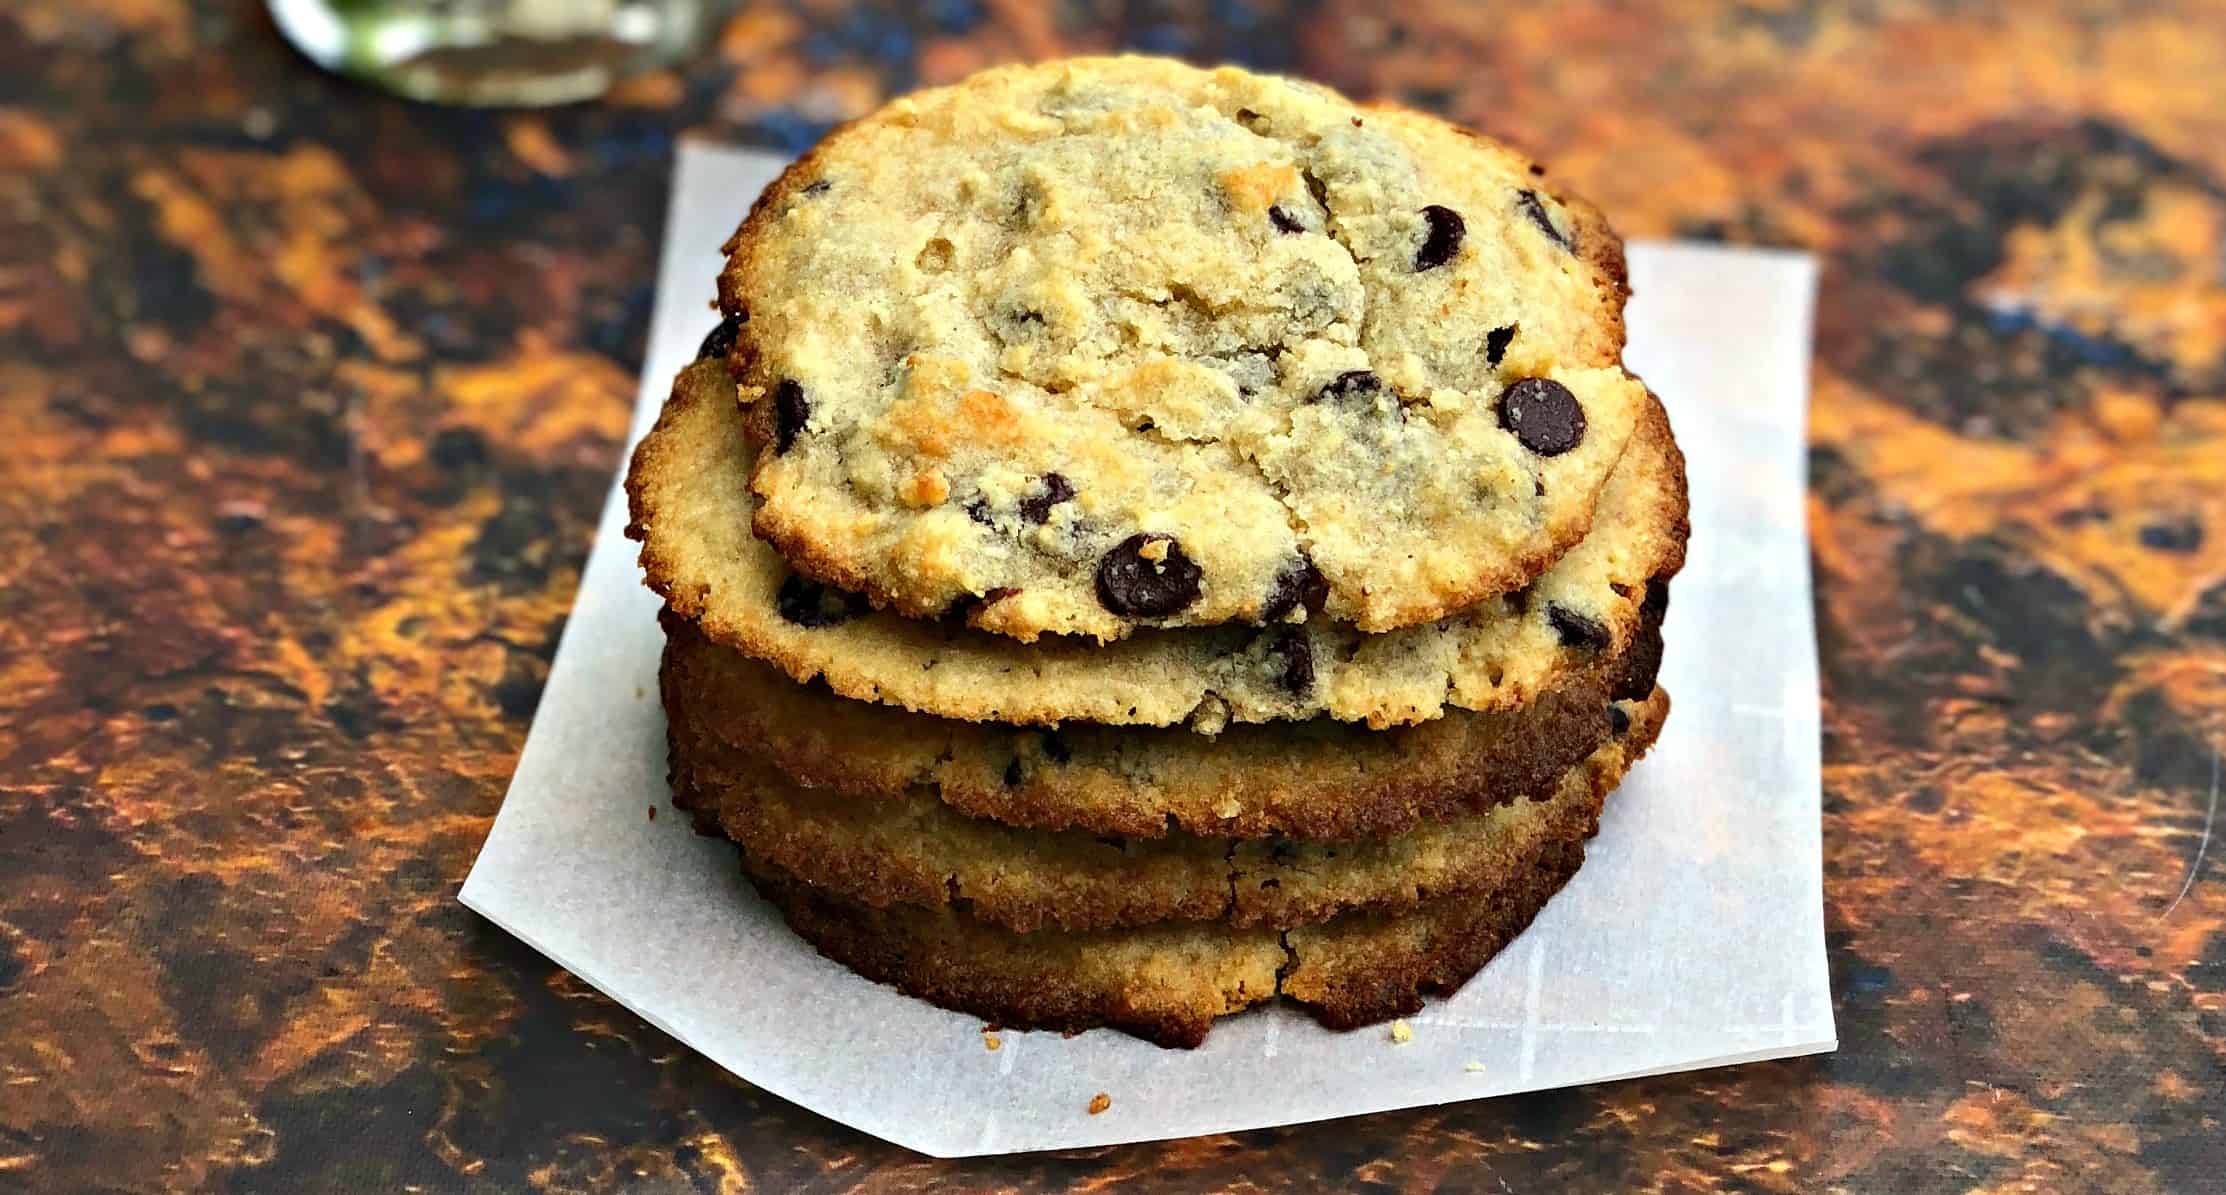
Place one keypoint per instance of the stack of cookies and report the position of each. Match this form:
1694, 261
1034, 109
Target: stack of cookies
1144, 541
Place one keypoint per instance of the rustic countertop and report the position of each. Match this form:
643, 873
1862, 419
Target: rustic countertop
310, 397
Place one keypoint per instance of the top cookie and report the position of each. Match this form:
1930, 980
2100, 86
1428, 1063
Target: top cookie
1104, 343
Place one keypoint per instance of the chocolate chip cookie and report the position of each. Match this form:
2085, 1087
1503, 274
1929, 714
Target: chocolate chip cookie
1318, 779
1107, 344
1168, 981
691, 507
915, 850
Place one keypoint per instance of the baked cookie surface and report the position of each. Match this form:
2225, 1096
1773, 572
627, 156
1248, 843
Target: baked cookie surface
1105, 344
691, 508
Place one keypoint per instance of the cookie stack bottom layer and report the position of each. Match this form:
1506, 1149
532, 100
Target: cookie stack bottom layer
1354, 930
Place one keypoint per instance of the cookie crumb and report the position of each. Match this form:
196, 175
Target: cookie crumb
1473, 1067
1401, 1034
1100, 1102
653, 813
992, 1042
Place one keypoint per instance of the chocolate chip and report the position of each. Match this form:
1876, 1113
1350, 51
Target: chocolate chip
1641, 665
1284, 221
1496, 342
999, 593
1036, 508
1055, 748
1543, 415
1657, 601
1575, 629
977, 509
1444, 240
1291, 661
721, 338
1135, 587
1358, 383
1536, 210
1618, 721
809, 604
1299, 584
791, 411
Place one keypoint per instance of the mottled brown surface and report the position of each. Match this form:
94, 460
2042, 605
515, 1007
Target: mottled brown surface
310, 398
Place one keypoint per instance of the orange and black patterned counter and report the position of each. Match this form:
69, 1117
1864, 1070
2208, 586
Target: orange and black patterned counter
310, 397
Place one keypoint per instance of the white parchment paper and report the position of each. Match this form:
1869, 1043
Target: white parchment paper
1692, 937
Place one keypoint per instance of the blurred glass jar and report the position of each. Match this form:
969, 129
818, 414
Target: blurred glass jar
492, 52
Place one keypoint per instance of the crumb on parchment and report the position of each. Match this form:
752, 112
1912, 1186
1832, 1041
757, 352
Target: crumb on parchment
1100, 1102
1473, 1067
990, 1040
1401, 1033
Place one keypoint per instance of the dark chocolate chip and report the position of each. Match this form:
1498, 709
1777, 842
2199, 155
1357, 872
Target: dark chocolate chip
1284, 221
791, 411
1299, 584
1012, 773
1543, 415
1134, 587
1657, 601
1056, 748
998, 594
1575, 629
1536, 210
1358, 383
1537, 169
977, 509
1496, 342
721, 338
1444, 240
819, 186
1642, 660
1618, 721
1291, 661
1036, 508
809, 604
